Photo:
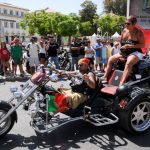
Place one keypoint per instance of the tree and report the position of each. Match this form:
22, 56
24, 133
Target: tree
68, 27
117, 7
110, 23
85, 28
88, 12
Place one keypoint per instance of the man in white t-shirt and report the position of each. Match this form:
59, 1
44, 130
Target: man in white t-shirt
33, 49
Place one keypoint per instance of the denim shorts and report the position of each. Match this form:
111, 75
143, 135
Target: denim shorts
138, 54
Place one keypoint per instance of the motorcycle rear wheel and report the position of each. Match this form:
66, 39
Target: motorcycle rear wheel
7, 125
136, 119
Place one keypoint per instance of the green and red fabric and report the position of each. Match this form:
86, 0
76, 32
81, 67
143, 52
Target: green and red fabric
57, 103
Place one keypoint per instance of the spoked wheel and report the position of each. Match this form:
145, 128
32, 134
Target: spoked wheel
8, 123
137, 118
140, 118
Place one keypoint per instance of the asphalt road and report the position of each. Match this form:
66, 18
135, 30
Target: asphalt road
78, 135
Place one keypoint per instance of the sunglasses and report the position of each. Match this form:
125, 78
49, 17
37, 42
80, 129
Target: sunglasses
127, 23
80, 65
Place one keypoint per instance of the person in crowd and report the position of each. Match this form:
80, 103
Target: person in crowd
109, 48
111, 42
89, 54
104, 55
42, 53
115, 48
74, 49
81, 48
17, 57
132, 40
98, 54
33, 49
52, 51
80, 93
13, 41
4, 56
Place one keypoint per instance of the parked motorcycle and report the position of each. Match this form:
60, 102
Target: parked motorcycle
128, 104
64, 59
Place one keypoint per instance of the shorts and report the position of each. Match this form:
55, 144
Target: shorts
138, 54
104, 61
42, 55
74, 99
33, 61
17, 62
97, 60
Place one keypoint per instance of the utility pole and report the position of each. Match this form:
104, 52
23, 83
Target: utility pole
128, 8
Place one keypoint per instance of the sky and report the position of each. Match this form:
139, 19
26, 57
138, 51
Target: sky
63, 6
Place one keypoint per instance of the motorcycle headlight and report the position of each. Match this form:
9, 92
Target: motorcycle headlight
17, 94
13, 89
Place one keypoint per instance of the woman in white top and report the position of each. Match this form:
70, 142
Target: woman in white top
42, 53
115, 49
89, 53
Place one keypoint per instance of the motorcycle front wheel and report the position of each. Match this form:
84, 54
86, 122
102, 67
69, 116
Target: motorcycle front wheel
8, 123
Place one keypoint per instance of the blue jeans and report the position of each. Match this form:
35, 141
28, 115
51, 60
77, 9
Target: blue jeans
55, 61
74, 61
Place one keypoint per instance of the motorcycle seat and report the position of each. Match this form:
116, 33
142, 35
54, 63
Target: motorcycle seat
113, 83
111, 90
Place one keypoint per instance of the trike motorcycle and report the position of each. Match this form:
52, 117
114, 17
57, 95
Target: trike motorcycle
129, 105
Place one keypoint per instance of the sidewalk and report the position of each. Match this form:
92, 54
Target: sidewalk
10, 77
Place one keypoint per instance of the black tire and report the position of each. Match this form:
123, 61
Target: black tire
6, 126
136, 119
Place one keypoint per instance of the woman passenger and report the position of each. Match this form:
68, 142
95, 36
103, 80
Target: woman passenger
132, 40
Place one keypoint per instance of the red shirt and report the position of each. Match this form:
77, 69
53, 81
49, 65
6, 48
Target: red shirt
4, 53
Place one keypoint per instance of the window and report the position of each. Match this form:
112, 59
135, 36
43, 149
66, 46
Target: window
17, 25
5, 11
22, 14
6, 24
11, 24
17, 13
11, 12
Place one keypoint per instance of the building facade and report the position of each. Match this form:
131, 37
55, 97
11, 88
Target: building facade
141, 9
10, 17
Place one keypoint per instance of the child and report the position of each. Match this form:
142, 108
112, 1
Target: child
5, 56
104, 55
89, 53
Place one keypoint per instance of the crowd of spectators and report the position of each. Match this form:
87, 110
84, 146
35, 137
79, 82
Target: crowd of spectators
27, 56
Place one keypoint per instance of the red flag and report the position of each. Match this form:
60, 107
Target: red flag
147, 38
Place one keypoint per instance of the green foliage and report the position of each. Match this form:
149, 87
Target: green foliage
85, 28
86, 24
110, 23
88, 11
67, 27
117, 7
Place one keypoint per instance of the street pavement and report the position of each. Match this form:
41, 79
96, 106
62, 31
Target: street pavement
77, 135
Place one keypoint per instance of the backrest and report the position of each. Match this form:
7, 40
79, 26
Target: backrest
115, 77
